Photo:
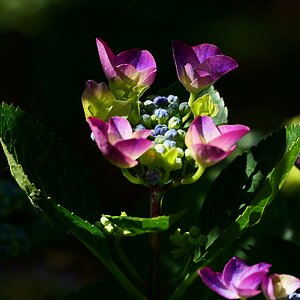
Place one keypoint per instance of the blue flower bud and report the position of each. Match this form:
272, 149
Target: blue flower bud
184, 108
159, 139
161, 101
139, 127
181, 134
173, 99
174, 123
171, 134
149, 107
169, 144
146, 120
174, 106
162, 115
159, 148
160, 129
152, 177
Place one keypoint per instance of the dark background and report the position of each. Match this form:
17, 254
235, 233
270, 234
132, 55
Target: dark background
48, 52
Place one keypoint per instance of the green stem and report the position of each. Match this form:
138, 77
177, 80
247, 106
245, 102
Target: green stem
131, 178
135, 275
154, 243
119, 275
191, 99
194, 177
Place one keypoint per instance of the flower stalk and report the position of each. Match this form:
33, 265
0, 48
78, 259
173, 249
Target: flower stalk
156, 197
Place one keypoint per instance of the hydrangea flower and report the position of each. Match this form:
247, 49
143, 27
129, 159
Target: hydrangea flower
98, 101
280, 286
133, 68
118, 143
238, 280
200, 66
209, 143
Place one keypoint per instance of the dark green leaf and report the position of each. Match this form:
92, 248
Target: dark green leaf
48, 162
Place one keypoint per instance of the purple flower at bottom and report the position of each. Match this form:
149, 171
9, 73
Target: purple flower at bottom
280, 286
118, 143
238, 280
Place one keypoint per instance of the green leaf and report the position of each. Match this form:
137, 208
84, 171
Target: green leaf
241, 193
48, 163
222, 115
139, 225
86, 232
204, 106
52, 178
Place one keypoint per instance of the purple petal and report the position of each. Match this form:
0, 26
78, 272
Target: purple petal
99, 128
236, 271
201, 83
252, 281
206, 128
207, 155
111, 153
133, 148
142, 65
142, 133
140, 59
203, 51
107, 58
268, 288
214, 281
118, 158
119, 129
218, 65
183, 54
243, 293
230, 134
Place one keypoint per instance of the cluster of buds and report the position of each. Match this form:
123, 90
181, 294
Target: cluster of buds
162, 140
241, 281
188, 244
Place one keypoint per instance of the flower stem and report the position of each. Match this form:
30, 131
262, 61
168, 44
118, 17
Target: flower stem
154, 243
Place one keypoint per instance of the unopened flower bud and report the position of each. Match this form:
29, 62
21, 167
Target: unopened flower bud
169, 144
181, 134
104, 221
195, 231
146, 120
159, 148
173, 99
161, 115
160, 129
159, 139
184, 108
171, 134
152, 177
161, 101
140, 127
149, 107
174, 123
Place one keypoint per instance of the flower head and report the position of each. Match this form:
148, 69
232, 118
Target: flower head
118, 143
133, 68
238, 279
200, 66
279, 286
98, 101
209, 143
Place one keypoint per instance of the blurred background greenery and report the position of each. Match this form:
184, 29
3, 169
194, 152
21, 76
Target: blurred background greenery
48, 52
